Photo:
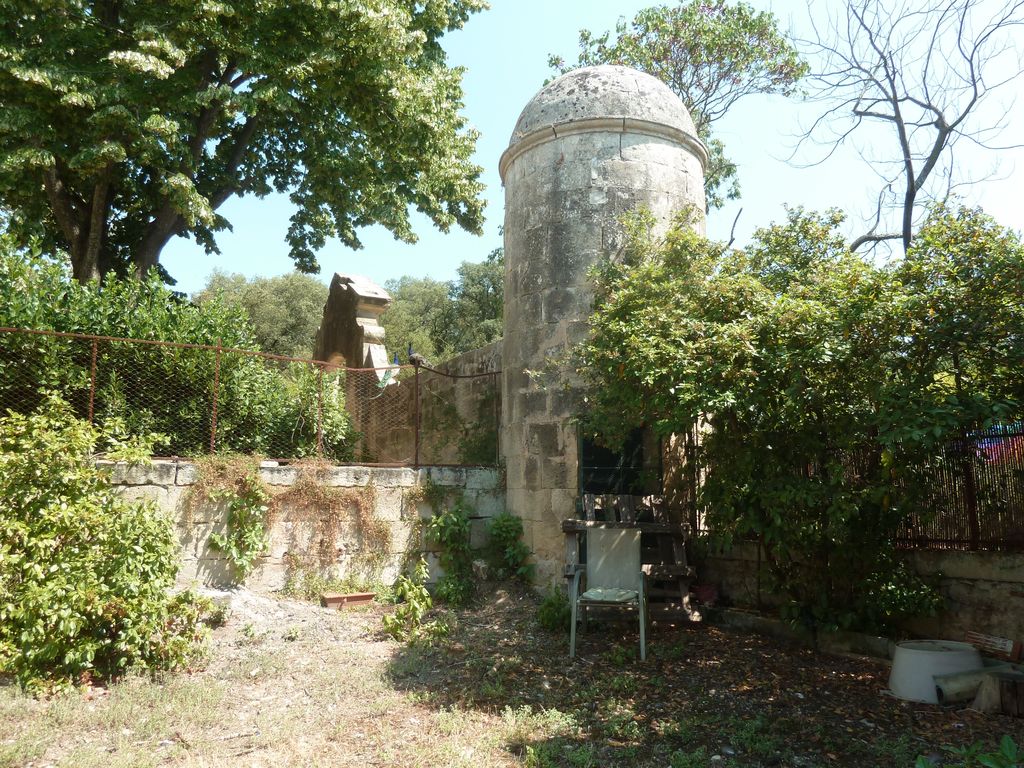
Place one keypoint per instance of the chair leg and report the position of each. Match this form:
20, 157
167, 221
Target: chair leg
572, 632
643, 630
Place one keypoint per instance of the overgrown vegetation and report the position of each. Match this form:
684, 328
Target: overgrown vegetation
828, 384
284, 312
233, 484
441, 319
85, 576
554, 612
507, 551
261, 408
329, 507
977, 755
448, 529
406, 624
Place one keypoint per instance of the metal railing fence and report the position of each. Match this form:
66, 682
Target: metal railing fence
201, 398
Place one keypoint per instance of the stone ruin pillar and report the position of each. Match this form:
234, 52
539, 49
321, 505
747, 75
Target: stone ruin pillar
589, 147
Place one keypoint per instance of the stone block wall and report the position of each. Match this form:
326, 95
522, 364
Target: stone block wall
316, 541
983, 591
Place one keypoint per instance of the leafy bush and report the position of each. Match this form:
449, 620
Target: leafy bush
406, 624
821, 384
449, 530
262, 407
555, 613
235, 483
84, 575
975, 755
508, 552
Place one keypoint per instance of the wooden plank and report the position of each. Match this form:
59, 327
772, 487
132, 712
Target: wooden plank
669, 570
582, 525
1011, 696
1000, 647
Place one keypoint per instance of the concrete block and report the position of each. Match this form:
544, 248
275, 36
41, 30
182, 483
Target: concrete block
543, 439
348, 477
484, 479
279, 475
387, 504
479, 533
157, 473
488, 503
449, 477
186, 474
393, 477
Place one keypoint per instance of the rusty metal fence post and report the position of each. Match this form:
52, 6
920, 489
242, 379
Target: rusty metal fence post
216, 390
416, 418
319, 410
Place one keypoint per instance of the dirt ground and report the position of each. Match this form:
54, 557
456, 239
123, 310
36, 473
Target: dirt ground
287, 683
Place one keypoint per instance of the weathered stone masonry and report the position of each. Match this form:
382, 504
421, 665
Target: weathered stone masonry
397, 502
590, 147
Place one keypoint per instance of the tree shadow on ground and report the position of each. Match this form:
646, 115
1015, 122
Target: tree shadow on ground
702, 692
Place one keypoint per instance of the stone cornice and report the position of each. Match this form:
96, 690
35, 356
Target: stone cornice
603, 125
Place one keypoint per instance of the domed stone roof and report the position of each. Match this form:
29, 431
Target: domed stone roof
598, 95
603, 91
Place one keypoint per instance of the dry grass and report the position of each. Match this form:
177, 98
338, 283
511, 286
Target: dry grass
287, 684
290, 684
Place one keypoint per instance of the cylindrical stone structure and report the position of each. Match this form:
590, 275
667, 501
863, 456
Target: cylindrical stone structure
591, 146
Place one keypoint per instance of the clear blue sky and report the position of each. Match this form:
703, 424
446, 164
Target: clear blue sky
504, 51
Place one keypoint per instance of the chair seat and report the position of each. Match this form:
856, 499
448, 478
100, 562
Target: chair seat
610, 595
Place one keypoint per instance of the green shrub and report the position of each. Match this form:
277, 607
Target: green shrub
246, 500
555, 613
975, 755
449, 530
406, 624
84, 574
508, 553
263, 407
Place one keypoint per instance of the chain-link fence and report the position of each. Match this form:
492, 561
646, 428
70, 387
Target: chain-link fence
198, 399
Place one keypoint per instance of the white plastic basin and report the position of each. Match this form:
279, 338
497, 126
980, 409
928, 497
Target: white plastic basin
915, 664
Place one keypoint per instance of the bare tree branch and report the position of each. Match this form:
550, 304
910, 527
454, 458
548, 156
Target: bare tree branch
921, 71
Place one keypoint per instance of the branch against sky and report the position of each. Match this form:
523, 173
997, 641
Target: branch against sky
711, 53
907, 83
127, 124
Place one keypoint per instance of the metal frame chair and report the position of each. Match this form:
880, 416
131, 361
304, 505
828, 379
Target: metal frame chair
614, 579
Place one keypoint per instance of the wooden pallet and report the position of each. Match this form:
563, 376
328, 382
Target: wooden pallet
663, 550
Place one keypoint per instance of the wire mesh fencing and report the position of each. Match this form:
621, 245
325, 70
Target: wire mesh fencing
975, 494
198, 399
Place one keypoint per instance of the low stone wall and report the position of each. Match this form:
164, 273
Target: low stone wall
311, 538
983, 591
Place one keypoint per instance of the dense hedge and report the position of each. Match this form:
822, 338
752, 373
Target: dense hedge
263, 407
85, 576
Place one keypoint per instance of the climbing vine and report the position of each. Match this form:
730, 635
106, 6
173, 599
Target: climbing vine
234, 482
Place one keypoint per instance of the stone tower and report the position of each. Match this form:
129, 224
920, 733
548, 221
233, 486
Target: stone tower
589, 147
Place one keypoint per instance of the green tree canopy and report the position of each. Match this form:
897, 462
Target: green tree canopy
472, 315
416, 305
126, 124
826, 383
711, 53
284, 311
442, 319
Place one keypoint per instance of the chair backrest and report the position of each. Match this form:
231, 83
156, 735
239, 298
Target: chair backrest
613, 558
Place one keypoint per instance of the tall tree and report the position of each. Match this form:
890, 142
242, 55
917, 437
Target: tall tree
441, 319
923, 72
416, 306
712, 54
285, 311
126, 124
472, 315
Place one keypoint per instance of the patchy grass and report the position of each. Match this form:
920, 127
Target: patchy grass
290, 684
